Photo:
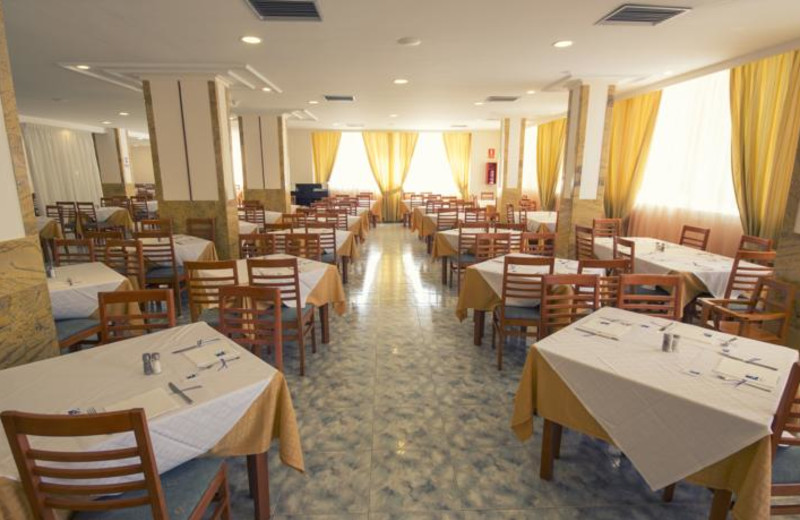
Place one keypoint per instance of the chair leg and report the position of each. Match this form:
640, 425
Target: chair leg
720, 505
668, 494
500, 350
301, 344
313, 335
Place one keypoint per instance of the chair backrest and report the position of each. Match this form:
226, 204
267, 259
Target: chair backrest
276, 226
474, 214
626, 249
607, 227
446, 219
748, 268
204, 288
139, 209
304, 245
158, 247
505, 226
327, 237
127, 258
106, 202
467, 233
492, 245
251, 316
67, 214
487, 195
72, 251
510, 213
652, 303
99, 239
566, 298
116, 323
201, 228
51, 211
254, 214
787, 416
772, 296
255, 244
252, 204
87, 209
83, 475
156, 225
752, 243
541, 244
279, 273
607, 283
584, 242
527, 204
695, 237
523, 285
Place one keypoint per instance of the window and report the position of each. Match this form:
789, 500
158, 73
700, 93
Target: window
530, 184
689, 165
351, 171
430, 169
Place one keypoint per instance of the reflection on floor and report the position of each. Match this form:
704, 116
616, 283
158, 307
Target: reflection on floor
402, 417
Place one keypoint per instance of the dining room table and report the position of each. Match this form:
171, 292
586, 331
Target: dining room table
116, 216
699, 412
540, 221
346, 246
320, 286
245, 228
48, 228
74, 288
188, 248
445, 246
235, 405
482, 288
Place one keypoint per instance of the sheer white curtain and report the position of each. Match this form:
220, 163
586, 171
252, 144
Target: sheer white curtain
530, 185
687, 179
429, 169
62, 163
351, 170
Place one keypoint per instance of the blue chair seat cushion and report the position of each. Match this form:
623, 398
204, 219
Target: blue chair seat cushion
465, 259
289, 314
650, 291
522, 313
210, 316
328, 258
183, 487
161, 272
66, 329
786, 465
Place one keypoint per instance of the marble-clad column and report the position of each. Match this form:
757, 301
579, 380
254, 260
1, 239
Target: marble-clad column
265, 160
114, 163
27, 330
190, 142
787, 263
512, 152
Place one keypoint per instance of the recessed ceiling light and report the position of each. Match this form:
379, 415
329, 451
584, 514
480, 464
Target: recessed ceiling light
393, 115
400, 81
561, 44
266, 89
313, 102
82, 67
531, 92
478, 103
106, 122
409, 41
252, 40
124, 113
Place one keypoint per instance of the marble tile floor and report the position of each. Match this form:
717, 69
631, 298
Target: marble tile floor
402, 417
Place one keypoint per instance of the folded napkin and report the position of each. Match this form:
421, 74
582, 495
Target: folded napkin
604, 328
155, 402
747, 373
207, 356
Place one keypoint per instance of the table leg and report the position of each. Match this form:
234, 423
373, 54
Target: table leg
479, 317
444, 269
720, 505
345, 268
258, 475
549, 434
325, 323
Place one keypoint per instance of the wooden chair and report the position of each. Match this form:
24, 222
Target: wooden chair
252, 317
607, 227
51, 211
566, 298
539, 244
766, 316
139, 209
492, 245
128, 474
446, 219
465, 249
117, 326
635, 295
72, 251
106, 202
99, 239
526, 204
752, 243
626, 249
474, 215
695, 237
327, 241
515, 320
297, 322
584, 243
74, 332
255, 244
204, 288
510, 214
276, 226
163, 224
607, 283
304, 245
127, 258
88, 217
255, 215
487, 195
523, 218
68, 218
201, 228
162, 265
502, 227
748, 268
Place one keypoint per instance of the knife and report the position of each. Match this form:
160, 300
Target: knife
199, 344
180, 392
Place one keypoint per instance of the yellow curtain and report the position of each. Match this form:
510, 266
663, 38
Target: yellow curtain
550, 139
324, 146
459, 148
632, 124
765, 123
389, 155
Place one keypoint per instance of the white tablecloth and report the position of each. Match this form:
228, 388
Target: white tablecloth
103, 376
668, 422
341, 235
451, 235
187, 247
41, 222
711, 269
247, 227
79, 300
486, 203
103, 213
535, 219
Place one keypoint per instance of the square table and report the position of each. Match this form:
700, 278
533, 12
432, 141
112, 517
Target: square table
74, 289
541, 221
445, 245
48, 227
115, 215
245, 228
671, 414
346, 247
237, 412
482, 289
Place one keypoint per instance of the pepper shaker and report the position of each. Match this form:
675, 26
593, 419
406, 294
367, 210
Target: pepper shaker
148, 365
666, 342
675, 340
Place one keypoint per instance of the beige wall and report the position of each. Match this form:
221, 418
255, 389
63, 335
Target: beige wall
300, 156
482, 140
142, 164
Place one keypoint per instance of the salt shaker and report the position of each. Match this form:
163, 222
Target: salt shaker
666, 342
148, 364
675, 340
155, 359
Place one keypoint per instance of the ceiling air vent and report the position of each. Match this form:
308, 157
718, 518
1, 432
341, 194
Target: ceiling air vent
501, 99
300, 10
638, 14
331, 97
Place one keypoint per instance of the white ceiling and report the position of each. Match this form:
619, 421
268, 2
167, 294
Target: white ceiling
471, 49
